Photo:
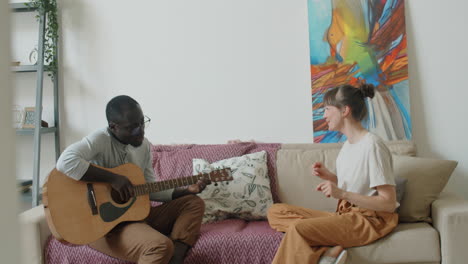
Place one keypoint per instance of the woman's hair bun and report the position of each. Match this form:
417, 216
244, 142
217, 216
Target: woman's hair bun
368, 90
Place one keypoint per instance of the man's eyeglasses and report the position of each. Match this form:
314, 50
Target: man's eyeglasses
134, 131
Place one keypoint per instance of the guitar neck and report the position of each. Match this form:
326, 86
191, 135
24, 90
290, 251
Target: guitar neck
151, 187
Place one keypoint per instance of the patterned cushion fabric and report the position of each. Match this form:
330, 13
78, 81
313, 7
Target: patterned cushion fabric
58, 253
235, 241
219, 243
247, 197
171, 161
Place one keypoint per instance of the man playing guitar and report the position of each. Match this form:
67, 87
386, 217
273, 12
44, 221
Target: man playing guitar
171, 228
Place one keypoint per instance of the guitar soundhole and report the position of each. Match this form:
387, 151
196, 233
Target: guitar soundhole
116, 197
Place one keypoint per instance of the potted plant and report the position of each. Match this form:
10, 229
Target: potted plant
49, 8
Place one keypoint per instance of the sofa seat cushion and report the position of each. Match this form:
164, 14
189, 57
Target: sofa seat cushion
235, 239
58, 253
219, 242
408, 243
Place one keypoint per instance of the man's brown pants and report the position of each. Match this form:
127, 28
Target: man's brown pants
151, 241
309, 233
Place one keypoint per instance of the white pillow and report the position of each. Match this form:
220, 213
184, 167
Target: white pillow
248, 196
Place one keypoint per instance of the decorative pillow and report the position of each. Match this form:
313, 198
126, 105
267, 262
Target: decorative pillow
247, 197
174, 161
425, 180
400, 190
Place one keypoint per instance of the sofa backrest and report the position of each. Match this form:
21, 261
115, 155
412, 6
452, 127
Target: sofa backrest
296, 184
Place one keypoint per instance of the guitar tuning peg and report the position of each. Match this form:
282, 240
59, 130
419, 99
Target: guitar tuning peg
216, 184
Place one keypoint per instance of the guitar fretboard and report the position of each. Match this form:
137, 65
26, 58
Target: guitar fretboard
169, 184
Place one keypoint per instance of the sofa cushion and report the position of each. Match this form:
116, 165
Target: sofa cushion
172, 161
425, 180
397, 147
296, 182
224, 242
400, 189
408, 243
235, 241
247, 197
58, 253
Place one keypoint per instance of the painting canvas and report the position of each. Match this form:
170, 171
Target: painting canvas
355, 42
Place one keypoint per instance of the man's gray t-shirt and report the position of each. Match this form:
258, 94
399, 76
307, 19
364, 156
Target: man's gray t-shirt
102, 149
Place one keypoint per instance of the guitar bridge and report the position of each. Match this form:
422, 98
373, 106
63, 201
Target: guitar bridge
92, 199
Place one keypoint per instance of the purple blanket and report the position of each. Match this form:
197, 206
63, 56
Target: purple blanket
224, 242
235, 241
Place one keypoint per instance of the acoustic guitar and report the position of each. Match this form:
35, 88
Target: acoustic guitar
81, 212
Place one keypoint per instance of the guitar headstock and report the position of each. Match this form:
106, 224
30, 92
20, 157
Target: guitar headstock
220, 175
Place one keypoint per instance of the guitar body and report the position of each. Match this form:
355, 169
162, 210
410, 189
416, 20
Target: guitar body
68, 206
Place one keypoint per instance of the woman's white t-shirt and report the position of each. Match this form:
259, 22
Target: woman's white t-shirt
364, 165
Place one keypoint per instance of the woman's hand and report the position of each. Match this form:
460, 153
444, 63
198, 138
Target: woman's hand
321, 171
330, 189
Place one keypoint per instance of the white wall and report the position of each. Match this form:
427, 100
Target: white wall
207, 71
204, 71
437, 38
9, 243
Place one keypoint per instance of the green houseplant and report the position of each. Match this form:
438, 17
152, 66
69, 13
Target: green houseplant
49, 8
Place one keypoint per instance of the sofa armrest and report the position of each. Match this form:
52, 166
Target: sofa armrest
450, 218
34, 233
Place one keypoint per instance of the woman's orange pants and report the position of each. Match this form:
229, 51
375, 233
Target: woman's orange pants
309, 233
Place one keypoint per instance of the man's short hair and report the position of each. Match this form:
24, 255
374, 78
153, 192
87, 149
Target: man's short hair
117, 106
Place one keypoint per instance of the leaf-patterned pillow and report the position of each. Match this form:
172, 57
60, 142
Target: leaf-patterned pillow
247, 197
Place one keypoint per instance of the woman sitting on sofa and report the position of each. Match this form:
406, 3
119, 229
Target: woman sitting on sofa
364, 186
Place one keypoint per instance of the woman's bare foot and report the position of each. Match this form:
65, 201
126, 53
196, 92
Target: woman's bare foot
333, 252
334, 255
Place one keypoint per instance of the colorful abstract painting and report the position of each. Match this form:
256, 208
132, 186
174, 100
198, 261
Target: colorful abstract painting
361, 41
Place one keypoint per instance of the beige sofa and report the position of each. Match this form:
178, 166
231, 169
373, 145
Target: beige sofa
434, 230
